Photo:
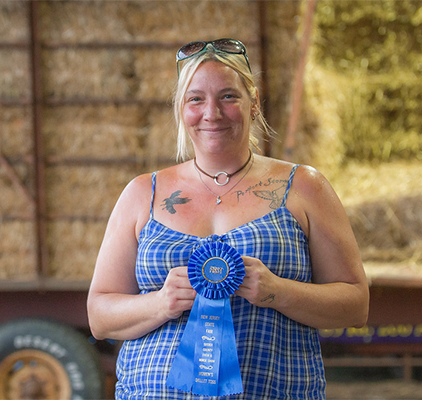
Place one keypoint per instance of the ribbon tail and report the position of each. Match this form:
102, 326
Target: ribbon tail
230, 377
208, 347
206, 362
181, 375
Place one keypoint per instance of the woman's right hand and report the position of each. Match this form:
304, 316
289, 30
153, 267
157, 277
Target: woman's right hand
177, 294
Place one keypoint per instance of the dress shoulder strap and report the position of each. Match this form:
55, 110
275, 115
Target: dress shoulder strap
289, 184
154, 178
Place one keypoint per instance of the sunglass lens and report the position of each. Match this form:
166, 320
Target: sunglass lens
228, 46
190, 49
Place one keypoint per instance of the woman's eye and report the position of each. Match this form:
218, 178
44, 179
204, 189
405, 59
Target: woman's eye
230, 96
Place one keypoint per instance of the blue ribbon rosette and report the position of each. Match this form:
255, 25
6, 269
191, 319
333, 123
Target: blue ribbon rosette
206, 362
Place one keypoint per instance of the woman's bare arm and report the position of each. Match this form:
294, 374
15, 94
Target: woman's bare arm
115, 307
339, 295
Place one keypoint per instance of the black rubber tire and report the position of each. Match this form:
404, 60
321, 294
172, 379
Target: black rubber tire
73, 360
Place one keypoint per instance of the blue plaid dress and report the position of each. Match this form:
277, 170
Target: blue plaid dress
279, 358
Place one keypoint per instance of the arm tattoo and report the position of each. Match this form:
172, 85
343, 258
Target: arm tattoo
270, 297
169, 203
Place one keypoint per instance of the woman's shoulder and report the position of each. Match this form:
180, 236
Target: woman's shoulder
143, 181
312, 191
140, 184
283, 168
304, 176
143, 184
311, 182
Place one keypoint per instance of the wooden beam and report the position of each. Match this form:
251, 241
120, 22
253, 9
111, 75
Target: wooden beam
297, 90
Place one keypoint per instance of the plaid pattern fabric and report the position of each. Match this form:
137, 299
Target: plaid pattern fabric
279, 358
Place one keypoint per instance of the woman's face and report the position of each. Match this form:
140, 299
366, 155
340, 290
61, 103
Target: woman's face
217, 109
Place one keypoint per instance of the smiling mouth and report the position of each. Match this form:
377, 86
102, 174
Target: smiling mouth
213, 130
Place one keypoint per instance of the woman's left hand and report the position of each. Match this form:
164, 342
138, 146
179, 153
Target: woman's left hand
258, 283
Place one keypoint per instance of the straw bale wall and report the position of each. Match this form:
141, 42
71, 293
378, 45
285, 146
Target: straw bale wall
17, 228
364, 84
384, 205
107, 117
13, 20
371, 51
14, 75
106, 113
16, 125
95, 131
17, 250
389, 230
169, 20
73, 248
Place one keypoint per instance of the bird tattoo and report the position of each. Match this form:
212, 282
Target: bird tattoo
169, 203
270, 195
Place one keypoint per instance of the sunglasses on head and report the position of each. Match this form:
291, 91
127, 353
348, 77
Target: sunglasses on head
230, 46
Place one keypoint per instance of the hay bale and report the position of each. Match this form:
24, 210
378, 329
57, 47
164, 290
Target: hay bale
384, 205
161, 138
16, 135
16, 147
325, 99
13, 21
95, 132
86, 73
73, 248
147, 72
14, 74
12, 203
388, 224
382, 117
389, 231
376, 36
376, 46
17, 250
170, 21
82, 191
362, 182
109, 132
14, 63
156, 69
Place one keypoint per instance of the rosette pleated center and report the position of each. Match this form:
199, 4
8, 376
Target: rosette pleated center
216, 270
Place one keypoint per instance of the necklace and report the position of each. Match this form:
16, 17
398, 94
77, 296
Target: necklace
221, 195
228, 176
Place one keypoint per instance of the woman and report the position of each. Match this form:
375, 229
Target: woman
302, 264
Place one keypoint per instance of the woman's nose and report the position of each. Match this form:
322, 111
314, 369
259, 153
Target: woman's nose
212, 111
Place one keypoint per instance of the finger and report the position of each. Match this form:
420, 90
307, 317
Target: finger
243, 292
186, 305
246, 285
186, 294
251, 274
179, 271
249, 260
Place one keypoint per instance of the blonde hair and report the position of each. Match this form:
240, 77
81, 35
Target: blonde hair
235, 62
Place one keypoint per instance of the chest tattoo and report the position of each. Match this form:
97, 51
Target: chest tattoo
169, 203
263, 190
